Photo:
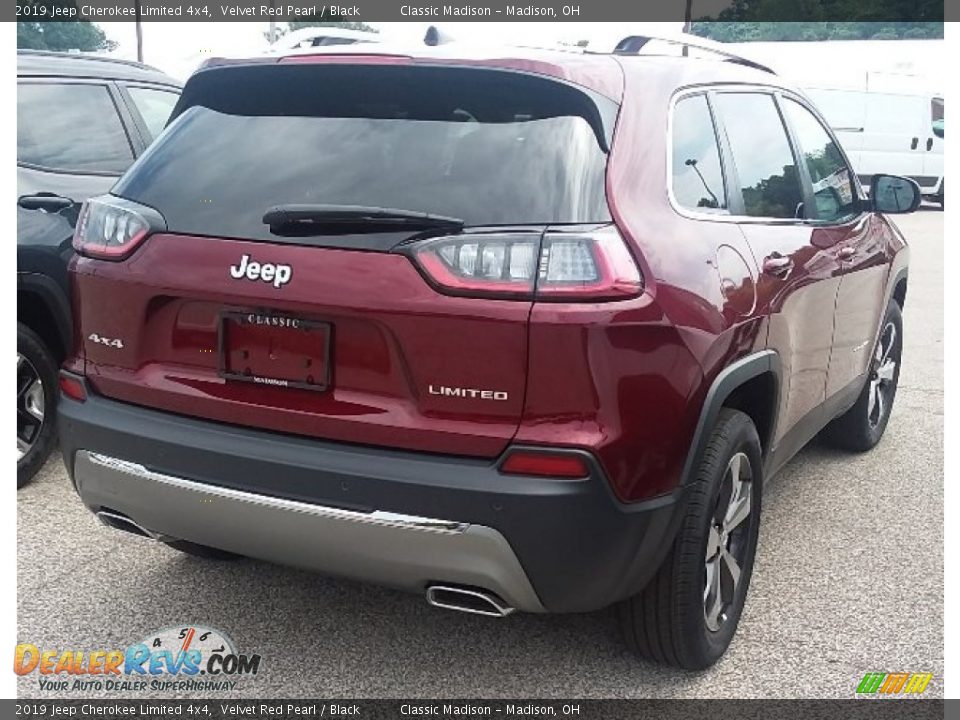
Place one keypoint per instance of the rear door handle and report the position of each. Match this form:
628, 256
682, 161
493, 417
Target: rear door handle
846, 253
929, 143
44, 201
777, 264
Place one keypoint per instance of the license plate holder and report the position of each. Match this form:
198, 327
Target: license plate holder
274, 350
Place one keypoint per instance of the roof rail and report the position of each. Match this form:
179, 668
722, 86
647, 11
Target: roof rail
78, 55
634, 44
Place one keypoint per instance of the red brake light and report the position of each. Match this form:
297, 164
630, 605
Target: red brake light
72, 387
110, 228
568, 265
545, 463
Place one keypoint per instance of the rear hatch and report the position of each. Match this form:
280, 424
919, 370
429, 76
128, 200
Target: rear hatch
272, 272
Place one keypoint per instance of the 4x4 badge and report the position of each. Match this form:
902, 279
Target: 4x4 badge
279, 275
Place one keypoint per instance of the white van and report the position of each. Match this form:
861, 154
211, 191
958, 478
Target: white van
888, 125
320, 36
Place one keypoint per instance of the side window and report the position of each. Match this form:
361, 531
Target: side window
833, 190
154, 106
696, 170
936, 116
761, 152
71, 127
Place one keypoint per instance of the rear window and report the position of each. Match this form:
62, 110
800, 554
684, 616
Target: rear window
489, 147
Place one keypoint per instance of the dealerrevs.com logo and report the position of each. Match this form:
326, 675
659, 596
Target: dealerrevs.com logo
888, 684
184, 658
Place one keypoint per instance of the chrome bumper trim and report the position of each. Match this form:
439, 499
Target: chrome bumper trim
398, 550
376, 517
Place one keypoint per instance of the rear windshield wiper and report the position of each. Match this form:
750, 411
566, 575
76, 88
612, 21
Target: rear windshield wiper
320, 219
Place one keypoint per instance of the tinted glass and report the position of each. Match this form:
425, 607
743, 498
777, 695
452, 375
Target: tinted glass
936, 116
761, 152
936, 109
833, 190
154, 106
697, 174
487, 147
70, 127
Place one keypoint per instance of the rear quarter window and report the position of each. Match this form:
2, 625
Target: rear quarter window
154, 106
697, 175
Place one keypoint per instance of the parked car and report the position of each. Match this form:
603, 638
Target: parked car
889, 125
81, 121
522, 331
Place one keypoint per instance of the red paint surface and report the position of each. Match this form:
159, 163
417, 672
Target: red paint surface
625, 379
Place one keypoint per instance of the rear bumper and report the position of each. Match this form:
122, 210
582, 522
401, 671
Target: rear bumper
396, 518
400, 550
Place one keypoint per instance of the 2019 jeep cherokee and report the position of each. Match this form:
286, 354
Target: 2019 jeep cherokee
524, 330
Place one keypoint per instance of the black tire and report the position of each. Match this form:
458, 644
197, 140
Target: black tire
667, 621
36, 438
859, 429
202, 551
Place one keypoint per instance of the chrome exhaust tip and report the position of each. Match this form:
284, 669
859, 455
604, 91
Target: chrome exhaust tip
118, 521
477, 602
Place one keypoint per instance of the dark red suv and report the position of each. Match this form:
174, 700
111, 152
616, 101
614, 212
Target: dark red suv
517, 331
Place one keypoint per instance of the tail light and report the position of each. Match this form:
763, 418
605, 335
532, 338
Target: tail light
110, 228
482, 264
566, 265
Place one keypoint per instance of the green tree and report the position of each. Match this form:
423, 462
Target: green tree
80, 35
725, 30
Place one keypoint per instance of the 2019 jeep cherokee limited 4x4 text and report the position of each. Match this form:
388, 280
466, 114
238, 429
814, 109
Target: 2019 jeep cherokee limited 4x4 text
522, 331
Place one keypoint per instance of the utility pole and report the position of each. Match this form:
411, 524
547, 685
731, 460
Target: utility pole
273, 25
136, 16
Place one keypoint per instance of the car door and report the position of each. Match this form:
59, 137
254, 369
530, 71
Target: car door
800, 273
72, 143
839, 220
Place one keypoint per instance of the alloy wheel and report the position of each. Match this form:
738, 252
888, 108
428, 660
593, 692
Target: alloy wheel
883, 369
727, 541
30, 406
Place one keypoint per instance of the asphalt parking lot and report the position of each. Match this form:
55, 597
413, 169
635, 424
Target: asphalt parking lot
848, 579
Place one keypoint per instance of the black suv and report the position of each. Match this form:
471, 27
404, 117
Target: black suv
81, 122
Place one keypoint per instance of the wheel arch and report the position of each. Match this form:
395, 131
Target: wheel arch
751, 385
43, 307
900, 288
